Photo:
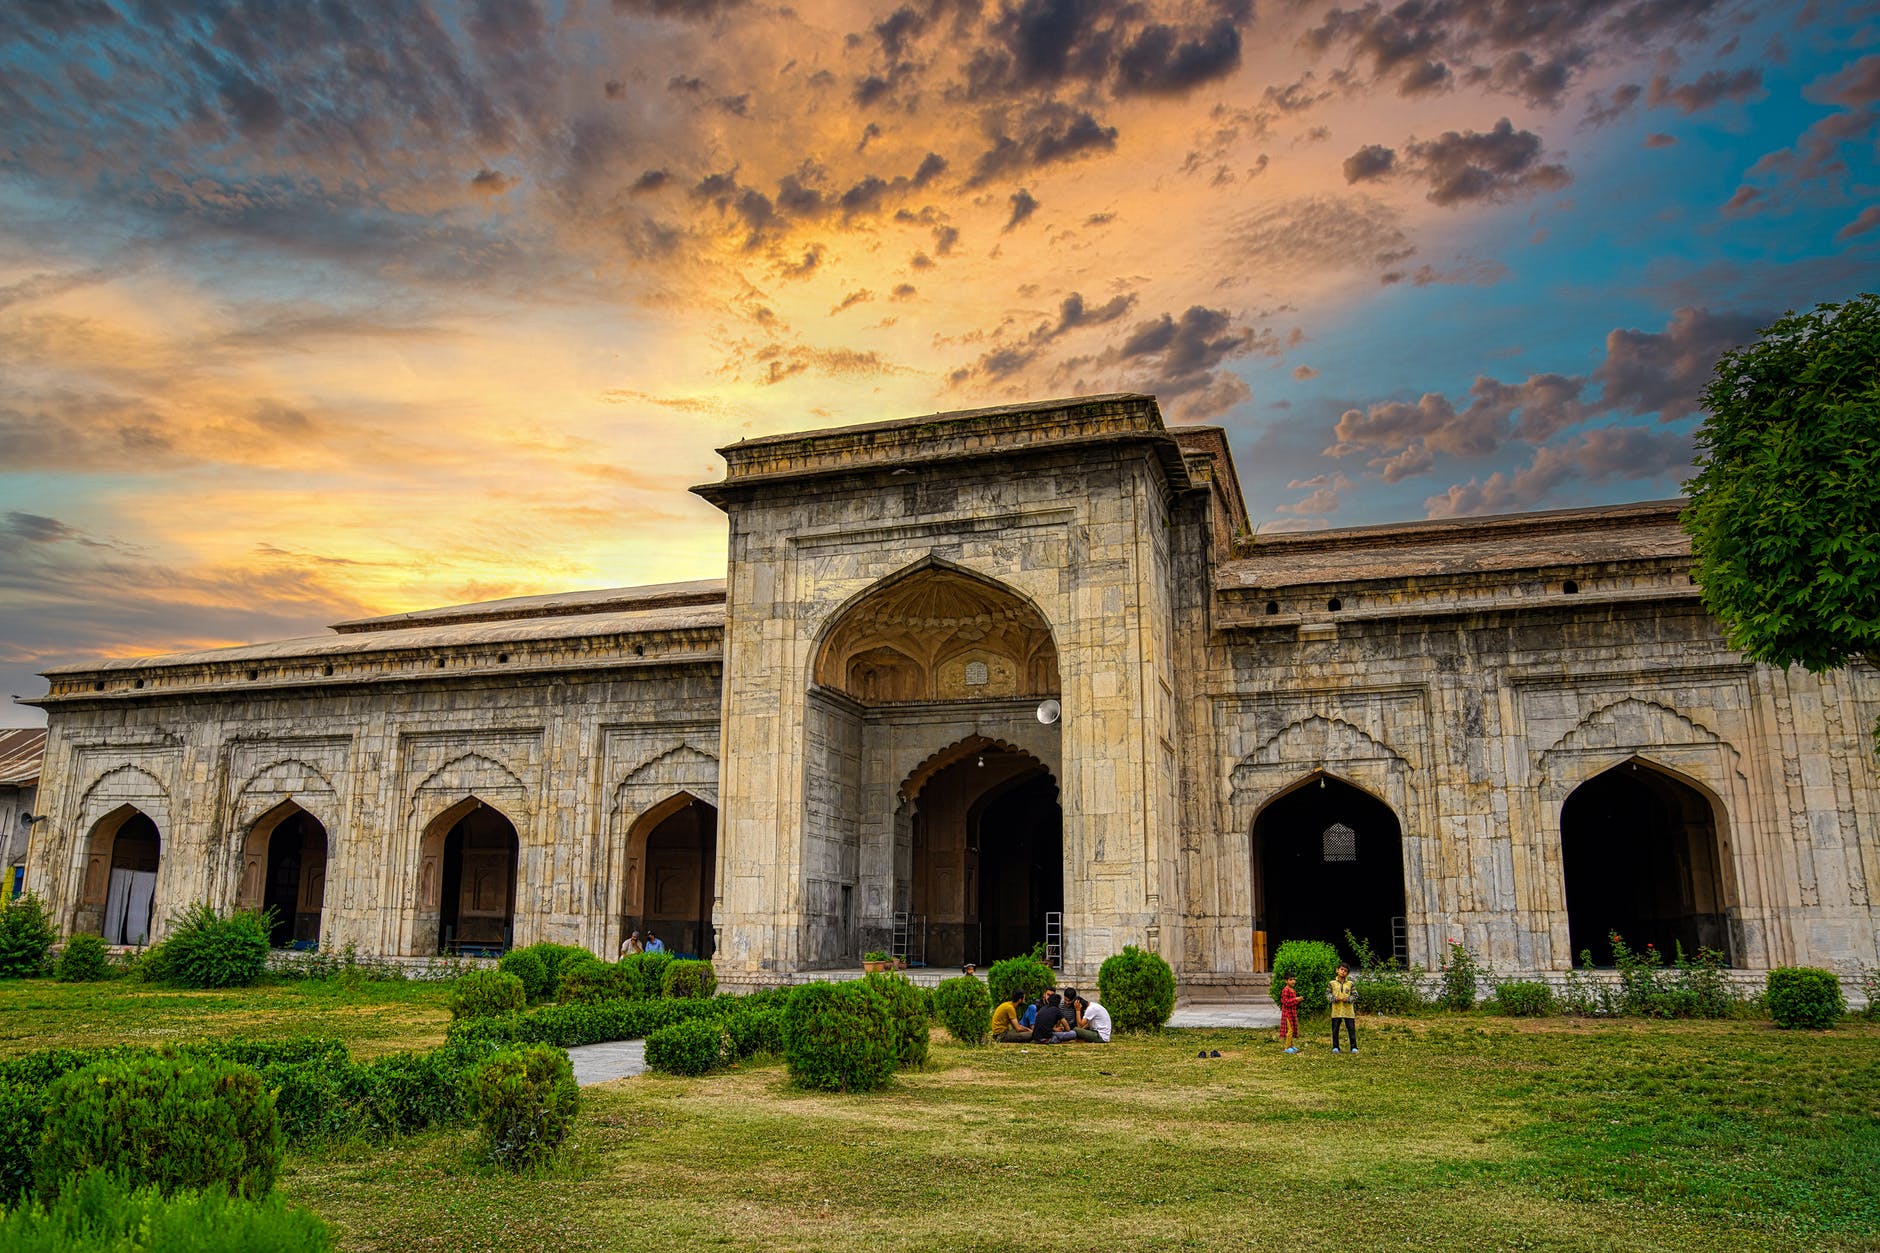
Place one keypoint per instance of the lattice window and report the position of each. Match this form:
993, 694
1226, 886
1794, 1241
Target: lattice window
976, 674
1339, 843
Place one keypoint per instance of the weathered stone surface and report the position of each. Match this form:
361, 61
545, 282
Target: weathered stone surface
865, 682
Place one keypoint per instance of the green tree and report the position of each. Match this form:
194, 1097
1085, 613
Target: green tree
1785, 509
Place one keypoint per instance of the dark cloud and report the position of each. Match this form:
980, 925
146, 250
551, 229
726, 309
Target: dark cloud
903, 291
1496, 165
1159, 61
1540, 81
1180, 355
1074, 314
1868, 219
1853, 86
650, 181
1372, 161
488, 182
1616, 104
33, 528
1658, 139
1024, 204
1621, 452
1664, 372
682, 10
851, 300
1706, 91
1042, 135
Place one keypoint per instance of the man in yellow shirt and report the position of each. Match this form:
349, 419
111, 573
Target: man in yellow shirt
1005, 1016
1344, 997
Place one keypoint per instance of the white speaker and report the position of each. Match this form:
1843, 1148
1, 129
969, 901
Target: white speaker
1050, 711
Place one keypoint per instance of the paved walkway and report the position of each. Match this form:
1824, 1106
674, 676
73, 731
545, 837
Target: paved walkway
598, 1063
1247, 1013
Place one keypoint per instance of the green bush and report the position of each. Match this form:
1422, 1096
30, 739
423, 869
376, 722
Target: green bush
1804, 996
402, 1093
527, 965
1138, 989
583, 982
686, 1048
83, 959
1461, 977
487, 994
908, 1008
209, 950
689, 979
839, 1037
1383, 986
754, 1031
97, 1214
26, 937
1312, 965
558, 957
964, 1008
526, 1100
1525, 998
165, 1122
643, 975
1016, 975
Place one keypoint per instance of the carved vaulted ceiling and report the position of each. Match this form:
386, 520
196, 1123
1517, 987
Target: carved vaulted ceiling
939, 635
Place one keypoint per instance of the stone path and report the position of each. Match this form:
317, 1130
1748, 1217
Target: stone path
622, 1059
598, 1063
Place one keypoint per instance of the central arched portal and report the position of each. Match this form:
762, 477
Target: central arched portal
988, 854
1327, 859
681, 861
284, 870
477, 911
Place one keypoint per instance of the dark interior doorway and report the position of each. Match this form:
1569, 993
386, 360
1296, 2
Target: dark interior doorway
1018, 831
1640, 855
1327, 858
477, 908
681, 864
131, 894
295, 888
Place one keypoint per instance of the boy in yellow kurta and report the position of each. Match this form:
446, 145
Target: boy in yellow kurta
1344, 997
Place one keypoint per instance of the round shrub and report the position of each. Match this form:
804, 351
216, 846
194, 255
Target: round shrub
26, 936
162, 1122
691, 1047
583, 982
643, 975
97, 1214
755, 1030
209, 950
1311, 963
964, 1008
838, 1037
695, 980
558, 957
83, 960
1138, 989
1016, 975
487, 994
1525, 998
1804, 996
527, 965
526, 1100
908, 1008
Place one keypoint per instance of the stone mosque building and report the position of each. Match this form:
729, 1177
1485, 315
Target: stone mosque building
980, 680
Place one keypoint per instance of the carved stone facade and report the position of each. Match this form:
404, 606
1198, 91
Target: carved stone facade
1518, 732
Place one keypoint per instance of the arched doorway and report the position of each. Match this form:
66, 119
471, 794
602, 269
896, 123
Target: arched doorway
130, 891
1640, 854
294, 884
476, 879
1328, 858
987, 852
680, 860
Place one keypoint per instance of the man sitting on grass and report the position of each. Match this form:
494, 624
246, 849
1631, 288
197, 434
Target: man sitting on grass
1050, 1019
1005, 1021
1093, 1023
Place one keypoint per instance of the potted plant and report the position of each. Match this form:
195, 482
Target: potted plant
875, 959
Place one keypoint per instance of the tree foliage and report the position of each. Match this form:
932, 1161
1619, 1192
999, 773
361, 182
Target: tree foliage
1785, 508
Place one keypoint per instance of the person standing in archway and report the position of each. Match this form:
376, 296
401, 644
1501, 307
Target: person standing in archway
1344, 997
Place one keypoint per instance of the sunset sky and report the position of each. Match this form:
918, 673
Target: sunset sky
313, 310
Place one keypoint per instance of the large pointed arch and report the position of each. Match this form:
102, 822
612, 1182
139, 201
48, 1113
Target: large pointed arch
468, 880
1327, 859
283, 867
670, 884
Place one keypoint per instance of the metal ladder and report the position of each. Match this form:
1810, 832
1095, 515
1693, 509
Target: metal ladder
1054, 939
907, 928
1400, 940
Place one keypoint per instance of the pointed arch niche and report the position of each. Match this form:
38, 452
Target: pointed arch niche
672, 862
467, 881
124, 854
284, 869
1327, 859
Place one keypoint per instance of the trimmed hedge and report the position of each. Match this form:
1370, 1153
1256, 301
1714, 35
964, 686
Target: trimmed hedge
488, 994
97, 1214
908, 1008
584, 982
1016, 975
692, 1047
964, 1008
839, 1037
209, 950
1138, 989
1311, 963
163, 1122
754, 1031
689, 979
83, 960
527, 965
1804, 996
26, 936
526, 1100
643, 975
1525, 998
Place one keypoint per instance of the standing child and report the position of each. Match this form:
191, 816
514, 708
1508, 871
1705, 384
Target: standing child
1289, 1016
1344, 1000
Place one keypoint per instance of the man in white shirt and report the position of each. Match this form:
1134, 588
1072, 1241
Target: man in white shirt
1093, 1023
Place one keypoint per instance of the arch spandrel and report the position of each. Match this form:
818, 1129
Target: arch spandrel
938, 633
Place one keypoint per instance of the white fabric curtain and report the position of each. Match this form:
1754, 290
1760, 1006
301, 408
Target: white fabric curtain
137, 913
116, 905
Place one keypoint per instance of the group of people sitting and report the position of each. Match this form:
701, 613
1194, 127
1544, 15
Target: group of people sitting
1050, 1019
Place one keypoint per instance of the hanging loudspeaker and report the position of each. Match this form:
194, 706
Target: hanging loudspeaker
1050, 711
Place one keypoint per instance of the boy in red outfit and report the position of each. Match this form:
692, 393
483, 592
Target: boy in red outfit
1289, 1016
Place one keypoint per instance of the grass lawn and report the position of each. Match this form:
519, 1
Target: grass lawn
372, 1017
1445, 1132
1441, 1133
